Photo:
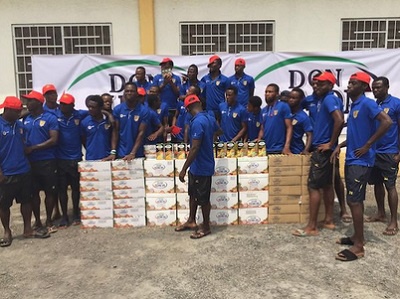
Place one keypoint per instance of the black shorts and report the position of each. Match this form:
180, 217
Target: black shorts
18, 187
356, 178
321, 169
384, 171
68, 173
199, 187
44, 176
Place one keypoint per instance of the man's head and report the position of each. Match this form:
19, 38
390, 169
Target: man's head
166, 65
214, 63
271, 93
380, 88
284, 96
140, 73
192, 72
254, 104
67, 103
12, 108
154, 90
95, 105
193, 104
108, 101
35, 100
240, 64
154, 101
230, 95
50, 93
194, 89
296, 96
130, 92
325, 83
358, 84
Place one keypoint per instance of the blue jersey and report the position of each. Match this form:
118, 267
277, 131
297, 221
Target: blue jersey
52, 111
323, 126
273, 119
12, 157
167, 94
180, 120
214, 91
253, 125
129, 123
244, 86
146, 85
389, 143
98, 137
153, 123
301, 124
231, 120
360, 127
202, 127
69, 145
310, 104
185, 87
38, 131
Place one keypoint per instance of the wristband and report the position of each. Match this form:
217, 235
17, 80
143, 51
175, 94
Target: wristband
113, 152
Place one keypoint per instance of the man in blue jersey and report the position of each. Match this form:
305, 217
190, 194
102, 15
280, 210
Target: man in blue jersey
49, 92
108, 101
276, 123
233, 117
215, 85
362, 133
202, 164
190, 80
99, 135
310, 102
140, 76
387, 159
327, 127
253, 118
15, 176
155, 129
243, 82
130, 120
41, 141
301, 124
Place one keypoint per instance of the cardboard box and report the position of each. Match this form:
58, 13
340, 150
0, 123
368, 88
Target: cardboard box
225, 166
224, 200
284, 209
285, 160
99, 176
305, 217
129, 213
94, 166
253, 182
285, 180
183, 216
129, 194
304, 180
128, 184
96, 223
284, 218
181, 187
130, 203
96, 205
226, 183
159, 168
96, 195
284, 199
305, 170
95, 186
182, 201
124, 175
160, 202
160, 185
252, 165
304, 190
161, 218
135, 164
284, 190
255, 199
97, 214
285, 170
224, 217
253, 216
136, 221
306, 160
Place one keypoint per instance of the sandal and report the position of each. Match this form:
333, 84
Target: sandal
5, 242
42, 234
200, 234
52, 229
345, 241
348, 256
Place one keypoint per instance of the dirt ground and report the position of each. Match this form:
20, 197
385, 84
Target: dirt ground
263, 261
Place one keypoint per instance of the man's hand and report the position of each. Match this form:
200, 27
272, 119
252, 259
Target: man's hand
305, 152
324, 147
28, 150
129, 157
2, 177
362, 150
396, 158
286, 151
152, 137
109, 158
182, 175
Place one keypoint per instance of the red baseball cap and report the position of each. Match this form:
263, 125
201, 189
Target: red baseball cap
212, 59
141, 91
166, 60
12, 103
34, 95
67, 98
190, 99
48, 87
326, 76
240, 61
362, 77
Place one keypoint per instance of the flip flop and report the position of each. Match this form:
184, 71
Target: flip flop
303, 233
345, 241
43, 234
199, 234
347, 219
5, 242
76, 222
374, 219
184, 227
52, 229
391, 231
348, 256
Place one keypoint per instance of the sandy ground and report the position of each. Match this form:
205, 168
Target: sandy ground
263, 261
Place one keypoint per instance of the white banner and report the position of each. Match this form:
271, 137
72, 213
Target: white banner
82, 75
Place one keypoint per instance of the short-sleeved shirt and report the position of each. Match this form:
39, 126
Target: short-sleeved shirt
185, 87
389, 143
301, 124
38, 131
167, 94
231, 120
273, 119
180, 120
12, 157
98, 137
253, 125
202, 127
323, 125
52, 111
69, 145
214, 91
129, 123
360, 127
145, 84
310, 104
153, 123
243, 85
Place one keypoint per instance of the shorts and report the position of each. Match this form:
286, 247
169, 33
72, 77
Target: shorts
16, 186
44, 176
321, 170
68, 174
356, 177
200, 188
384, 171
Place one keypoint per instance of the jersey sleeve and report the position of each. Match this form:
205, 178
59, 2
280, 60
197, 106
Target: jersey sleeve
287, 114
373, 109
243, 115
196, 130
53, 123
307, 126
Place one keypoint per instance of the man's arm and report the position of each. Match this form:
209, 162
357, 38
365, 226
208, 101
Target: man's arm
241, 133
194, 150
289, 134
308, 143
114, 142
52, 141
260, 134
138, 142
338, 121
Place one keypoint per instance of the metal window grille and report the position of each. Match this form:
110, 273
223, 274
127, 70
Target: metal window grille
55, 39
232, 37
366, 34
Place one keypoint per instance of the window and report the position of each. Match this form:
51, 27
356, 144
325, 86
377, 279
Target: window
231, 37
366, 34
55, 39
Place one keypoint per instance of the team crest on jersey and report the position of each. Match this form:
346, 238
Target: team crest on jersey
234, 115
158, 111
136, 117
173, 80
245, 83
275, 112
217, 83
258, 124
107, 126
355, 113
76, 121
386, 110
42, 123
294, 122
